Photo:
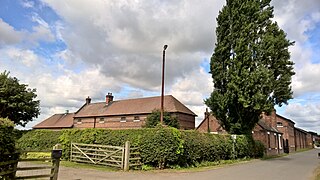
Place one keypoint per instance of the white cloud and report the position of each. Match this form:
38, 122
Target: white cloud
27, 4
8, 35
125, 38
26, 57
305, 116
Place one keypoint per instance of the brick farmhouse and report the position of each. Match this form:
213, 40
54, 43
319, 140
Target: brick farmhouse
120, 114
277, 133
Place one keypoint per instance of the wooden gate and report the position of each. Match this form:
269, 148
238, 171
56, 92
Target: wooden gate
98, 154
19, 167
39, 168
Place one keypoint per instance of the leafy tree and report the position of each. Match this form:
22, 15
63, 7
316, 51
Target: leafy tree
154, 118
250, 66
17, 102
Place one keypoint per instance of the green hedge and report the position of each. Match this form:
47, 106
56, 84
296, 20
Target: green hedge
38, 140
159, 147
7, 138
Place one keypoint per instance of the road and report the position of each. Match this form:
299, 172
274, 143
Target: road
297, 166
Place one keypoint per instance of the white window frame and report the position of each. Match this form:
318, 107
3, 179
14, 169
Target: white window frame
123, 119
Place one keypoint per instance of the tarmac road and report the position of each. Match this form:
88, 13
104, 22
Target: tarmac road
297, 166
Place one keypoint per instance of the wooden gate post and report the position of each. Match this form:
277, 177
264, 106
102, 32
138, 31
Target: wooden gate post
55, 155
126, 156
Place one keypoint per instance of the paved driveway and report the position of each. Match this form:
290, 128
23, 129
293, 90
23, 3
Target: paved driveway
298, 166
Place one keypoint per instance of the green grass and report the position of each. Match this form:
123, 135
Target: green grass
87, 166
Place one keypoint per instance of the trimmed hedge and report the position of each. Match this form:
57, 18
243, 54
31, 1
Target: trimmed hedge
159, 147
7, 138
38, 140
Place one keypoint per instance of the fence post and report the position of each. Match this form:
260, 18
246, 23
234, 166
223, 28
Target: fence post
126, 156
55, 155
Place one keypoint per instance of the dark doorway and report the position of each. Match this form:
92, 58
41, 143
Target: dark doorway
285, 146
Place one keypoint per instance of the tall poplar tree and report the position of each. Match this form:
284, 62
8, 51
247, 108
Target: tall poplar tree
250, 66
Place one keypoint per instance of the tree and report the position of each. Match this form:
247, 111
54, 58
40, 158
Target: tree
250, 66
17, 102
154, 118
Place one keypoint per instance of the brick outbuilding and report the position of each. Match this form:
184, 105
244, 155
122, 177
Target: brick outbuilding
120, 114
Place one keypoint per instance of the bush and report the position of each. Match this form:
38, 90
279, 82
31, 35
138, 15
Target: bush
258, 149
7, 139
159, 147
7, 147
38, 140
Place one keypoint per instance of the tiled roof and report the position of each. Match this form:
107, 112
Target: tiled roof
267, 127
56, 121
286, 119
133, 106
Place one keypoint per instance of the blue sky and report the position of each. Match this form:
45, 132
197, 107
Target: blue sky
71, 49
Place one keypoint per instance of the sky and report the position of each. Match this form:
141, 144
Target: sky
71, 49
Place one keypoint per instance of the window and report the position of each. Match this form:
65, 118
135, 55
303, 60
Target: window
136, 119
123, 119
79, 121
279, 124
101, 120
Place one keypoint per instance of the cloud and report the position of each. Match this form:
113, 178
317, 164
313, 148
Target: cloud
297, 17
27, 4
126, 38
305, 116
26, 57
8, 35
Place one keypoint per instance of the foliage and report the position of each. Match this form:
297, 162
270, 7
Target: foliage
154, 119
38, 140
7, 139
7, 147
258, 149
201, 147
159, 147
250, 65
17, 102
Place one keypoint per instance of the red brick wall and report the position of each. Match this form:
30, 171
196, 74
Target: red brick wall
214, 126
114, 122
309, 140
111, 122
269, 139
301, 139
186, 121
287, 129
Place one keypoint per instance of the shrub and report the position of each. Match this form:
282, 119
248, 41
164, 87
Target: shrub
258, 149
38, 140
161, 147
7, 147
7, 139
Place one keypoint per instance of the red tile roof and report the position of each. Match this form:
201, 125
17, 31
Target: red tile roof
56, 121
133, 106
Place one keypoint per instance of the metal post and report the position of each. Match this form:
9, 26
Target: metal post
162, 89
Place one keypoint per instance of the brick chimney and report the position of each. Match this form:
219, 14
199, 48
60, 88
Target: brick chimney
109, 98
88, 100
